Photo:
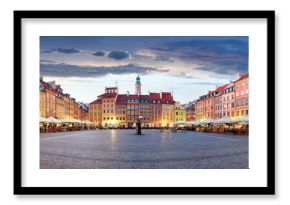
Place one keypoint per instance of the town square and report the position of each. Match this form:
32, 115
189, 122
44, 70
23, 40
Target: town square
171, 105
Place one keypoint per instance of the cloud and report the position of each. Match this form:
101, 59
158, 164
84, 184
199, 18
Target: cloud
118, 55
204, 83
68, 70
99, 53
46, 61
216, 55
62, 50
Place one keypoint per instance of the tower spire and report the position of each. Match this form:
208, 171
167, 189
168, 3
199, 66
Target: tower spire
138, 85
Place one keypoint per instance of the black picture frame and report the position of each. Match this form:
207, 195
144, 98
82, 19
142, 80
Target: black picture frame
268, 190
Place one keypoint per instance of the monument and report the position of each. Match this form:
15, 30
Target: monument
138, 127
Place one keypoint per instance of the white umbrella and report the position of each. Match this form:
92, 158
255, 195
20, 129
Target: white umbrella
66, 120
243, 119
207, 121
223, 120
197, 122
42, 119
51, 119
88, 122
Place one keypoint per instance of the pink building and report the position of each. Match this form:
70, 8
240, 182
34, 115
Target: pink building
242, 95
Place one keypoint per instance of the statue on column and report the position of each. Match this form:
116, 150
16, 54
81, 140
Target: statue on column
138, 127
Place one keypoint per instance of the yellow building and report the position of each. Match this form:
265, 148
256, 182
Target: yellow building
71, 108
180, 113
167, 114
42, 103
200, 113
59, 106
66, 101
76, 109
108, 106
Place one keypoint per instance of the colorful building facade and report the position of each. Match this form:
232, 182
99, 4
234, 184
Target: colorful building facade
124, 110
242, 96
179, 113
229, 100
54, 103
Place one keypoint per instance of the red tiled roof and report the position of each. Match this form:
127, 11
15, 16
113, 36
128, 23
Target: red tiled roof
97, 101
111, 87
221, 88
154, 96
243, 76
121, 99
132, 97
108, 95
167, 97
144, 97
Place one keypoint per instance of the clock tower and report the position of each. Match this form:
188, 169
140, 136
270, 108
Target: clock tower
138, 86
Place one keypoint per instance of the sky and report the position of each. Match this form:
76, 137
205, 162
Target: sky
188, 66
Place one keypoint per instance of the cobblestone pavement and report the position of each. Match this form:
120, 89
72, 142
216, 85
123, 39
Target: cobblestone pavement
122, 149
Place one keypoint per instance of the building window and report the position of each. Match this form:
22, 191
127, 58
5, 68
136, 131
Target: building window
238, 113
247, 112
243, 112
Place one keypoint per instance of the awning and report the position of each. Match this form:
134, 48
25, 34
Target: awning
51, 119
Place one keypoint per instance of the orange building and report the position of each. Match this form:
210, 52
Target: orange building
56, 104
121, 110
95, 112
50, 94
